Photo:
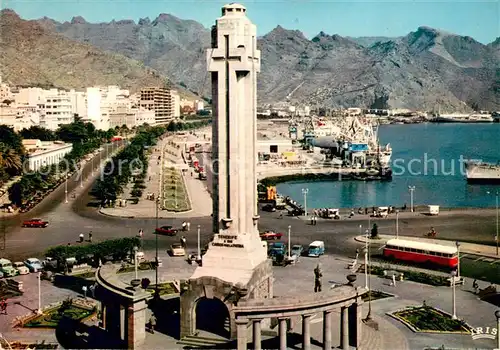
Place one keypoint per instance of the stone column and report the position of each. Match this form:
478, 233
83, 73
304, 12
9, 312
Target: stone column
355, 319
257, 342
344, 329
283, 333
241, 329
113, 321
327, 330
306, 332
136, 325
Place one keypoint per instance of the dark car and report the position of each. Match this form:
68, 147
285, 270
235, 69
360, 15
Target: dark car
269, 207
166, 230
35, 223
270, 235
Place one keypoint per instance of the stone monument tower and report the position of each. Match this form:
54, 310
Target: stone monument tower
235, 265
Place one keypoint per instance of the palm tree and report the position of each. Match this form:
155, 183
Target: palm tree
10, 160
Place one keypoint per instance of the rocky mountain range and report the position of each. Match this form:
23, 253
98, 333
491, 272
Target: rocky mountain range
427, 69
30, 55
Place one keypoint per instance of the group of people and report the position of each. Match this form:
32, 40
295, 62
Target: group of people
82, 237
186, 225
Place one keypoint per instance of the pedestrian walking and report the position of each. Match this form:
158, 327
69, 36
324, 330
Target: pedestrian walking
152, 323
475, 286
82, 237
188, 225
183, 242
3, 306
184, 224
90, 236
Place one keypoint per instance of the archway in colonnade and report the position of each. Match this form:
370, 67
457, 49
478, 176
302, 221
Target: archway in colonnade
212, 316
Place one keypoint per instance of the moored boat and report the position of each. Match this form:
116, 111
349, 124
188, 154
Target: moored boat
478, 172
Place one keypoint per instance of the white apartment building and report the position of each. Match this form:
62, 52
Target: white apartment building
131, 117
57, 110
19, 117
45, 153
78, 103
5, 92
31, 96
200, 105
176, 104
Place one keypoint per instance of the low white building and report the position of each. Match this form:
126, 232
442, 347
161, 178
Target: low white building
44, 153
274, 146
131, 117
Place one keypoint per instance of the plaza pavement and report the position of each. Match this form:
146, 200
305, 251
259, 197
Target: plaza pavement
465, 247
293, 281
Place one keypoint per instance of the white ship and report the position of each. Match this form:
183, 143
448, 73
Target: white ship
351, 131
482, 172
464, 118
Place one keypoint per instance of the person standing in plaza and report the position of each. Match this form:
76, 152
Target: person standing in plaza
3, 306
188, 225
152, 323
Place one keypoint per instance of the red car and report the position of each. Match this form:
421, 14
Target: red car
35, 223
166, 230
270, 235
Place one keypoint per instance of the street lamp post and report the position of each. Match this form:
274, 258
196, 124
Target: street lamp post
412, 189
305, 191
39, 311
397, 224
156, 255
497, 315
92, 166
453, 274
496, 210
289, 244
458, 258
366, 260
369, 315
199, 247
66, 188
135, 262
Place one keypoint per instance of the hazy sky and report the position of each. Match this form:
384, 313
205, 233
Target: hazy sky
478, 19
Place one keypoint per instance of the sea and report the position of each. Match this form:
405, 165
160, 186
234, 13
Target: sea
427, 157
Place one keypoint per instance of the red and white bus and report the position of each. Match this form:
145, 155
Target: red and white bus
420, 252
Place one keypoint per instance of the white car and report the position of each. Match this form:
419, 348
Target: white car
176, 249
21, 268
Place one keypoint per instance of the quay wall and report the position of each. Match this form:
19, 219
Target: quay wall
274, 176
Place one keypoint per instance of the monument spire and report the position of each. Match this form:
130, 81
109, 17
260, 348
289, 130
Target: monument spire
234, 62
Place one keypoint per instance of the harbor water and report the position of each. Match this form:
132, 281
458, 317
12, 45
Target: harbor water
428, 157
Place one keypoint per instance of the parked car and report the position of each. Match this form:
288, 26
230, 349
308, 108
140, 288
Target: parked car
270, 235
166, 230
21, 268
269, 207
33, 264
177, 249
278, 248
7, 269
35, 223
297, 250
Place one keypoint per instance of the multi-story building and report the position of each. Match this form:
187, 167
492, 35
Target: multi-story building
78, 103
57, 110
176, 104
131, 117
5, 92
159, 100
40, 154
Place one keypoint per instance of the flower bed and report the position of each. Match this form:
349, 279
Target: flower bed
51, 317
429, 319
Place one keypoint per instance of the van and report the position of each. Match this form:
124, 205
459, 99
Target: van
316, 249
433, 209
7, 269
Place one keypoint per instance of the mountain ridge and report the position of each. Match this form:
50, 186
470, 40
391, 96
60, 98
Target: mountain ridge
426, 69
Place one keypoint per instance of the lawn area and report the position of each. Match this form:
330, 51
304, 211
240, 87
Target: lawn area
164, 288
414, 276
428, 319
143, 266
375, 295
51, 317
482, 270
175, 197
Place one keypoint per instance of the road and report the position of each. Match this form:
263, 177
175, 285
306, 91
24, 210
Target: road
68, 220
